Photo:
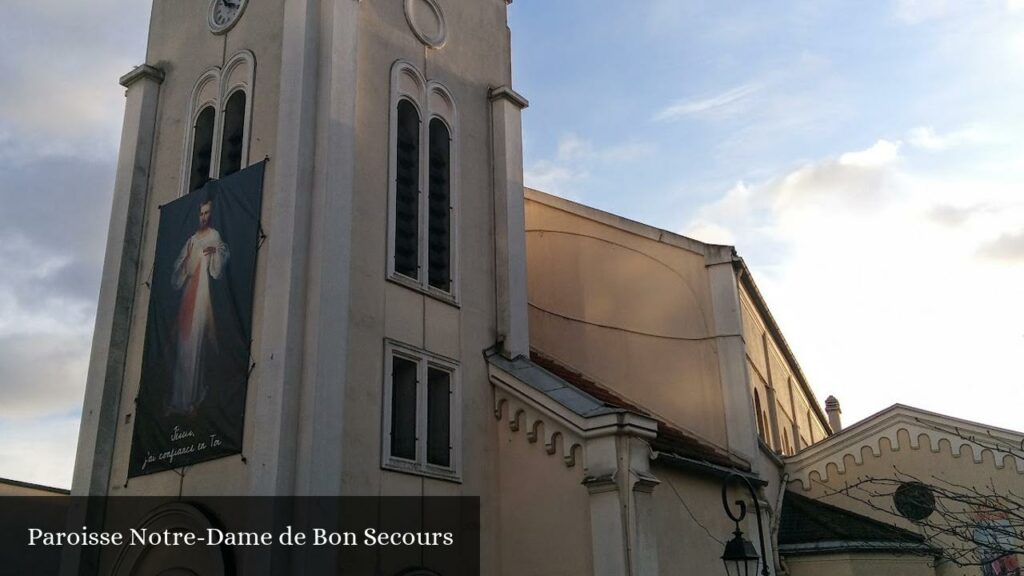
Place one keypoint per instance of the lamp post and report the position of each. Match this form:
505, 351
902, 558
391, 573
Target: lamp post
740, 557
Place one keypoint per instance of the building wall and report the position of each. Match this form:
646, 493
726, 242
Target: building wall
867, 564
692, 526
627, 310
545, 510
929, 456
791, 421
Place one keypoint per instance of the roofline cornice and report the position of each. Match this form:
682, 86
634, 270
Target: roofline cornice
618, 422
915, 422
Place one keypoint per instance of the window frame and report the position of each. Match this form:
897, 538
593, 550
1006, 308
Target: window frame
223, 114
190, 157
420, 466
215, 87
431, 100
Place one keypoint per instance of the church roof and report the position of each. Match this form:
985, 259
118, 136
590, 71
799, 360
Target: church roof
809, 526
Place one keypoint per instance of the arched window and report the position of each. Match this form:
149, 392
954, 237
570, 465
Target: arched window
202, 148
760, 417
407, 183
767, 436
423, 185
220, 107
234, 134
439, 221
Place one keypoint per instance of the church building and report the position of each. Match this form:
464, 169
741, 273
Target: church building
324, 277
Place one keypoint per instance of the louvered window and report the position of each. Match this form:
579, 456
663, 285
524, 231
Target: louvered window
407, 181
202, 149
423, 186
439, 225
234, 134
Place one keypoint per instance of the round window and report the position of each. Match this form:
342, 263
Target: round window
914, 501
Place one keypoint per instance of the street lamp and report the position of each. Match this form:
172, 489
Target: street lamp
740, 557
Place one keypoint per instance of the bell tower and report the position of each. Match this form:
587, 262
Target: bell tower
394, 252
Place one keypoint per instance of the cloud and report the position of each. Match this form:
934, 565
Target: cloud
60, 116
723, 104
554, 178
856, 180
61, 95
576, 158
52, 236
925, 137
948, 215
882, 300
42, 374
1007, 247
711, 233
716, 222
852, 181
917, 11
882, 153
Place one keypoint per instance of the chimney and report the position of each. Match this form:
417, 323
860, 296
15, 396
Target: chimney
833, 410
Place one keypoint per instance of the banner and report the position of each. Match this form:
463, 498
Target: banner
196, 357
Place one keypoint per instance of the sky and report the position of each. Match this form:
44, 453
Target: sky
865, 158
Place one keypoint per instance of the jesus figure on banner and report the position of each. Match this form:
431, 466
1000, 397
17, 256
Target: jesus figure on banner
201, 261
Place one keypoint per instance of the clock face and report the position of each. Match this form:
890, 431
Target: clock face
224, 14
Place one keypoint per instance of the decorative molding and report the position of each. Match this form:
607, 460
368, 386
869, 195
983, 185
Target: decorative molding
645, 483
239, 74
427, 21
507, 93
142, 71
601, 483
219, 29
213, 88
520, 415
561, 430
903, 428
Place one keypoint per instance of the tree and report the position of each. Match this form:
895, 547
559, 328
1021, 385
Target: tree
967, 525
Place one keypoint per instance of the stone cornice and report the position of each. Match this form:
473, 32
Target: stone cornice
560, 429
142, 71
507, 93
922, 428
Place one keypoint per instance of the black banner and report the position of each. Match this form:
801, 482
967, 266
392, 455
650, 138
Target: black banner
196, 358
228, 535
